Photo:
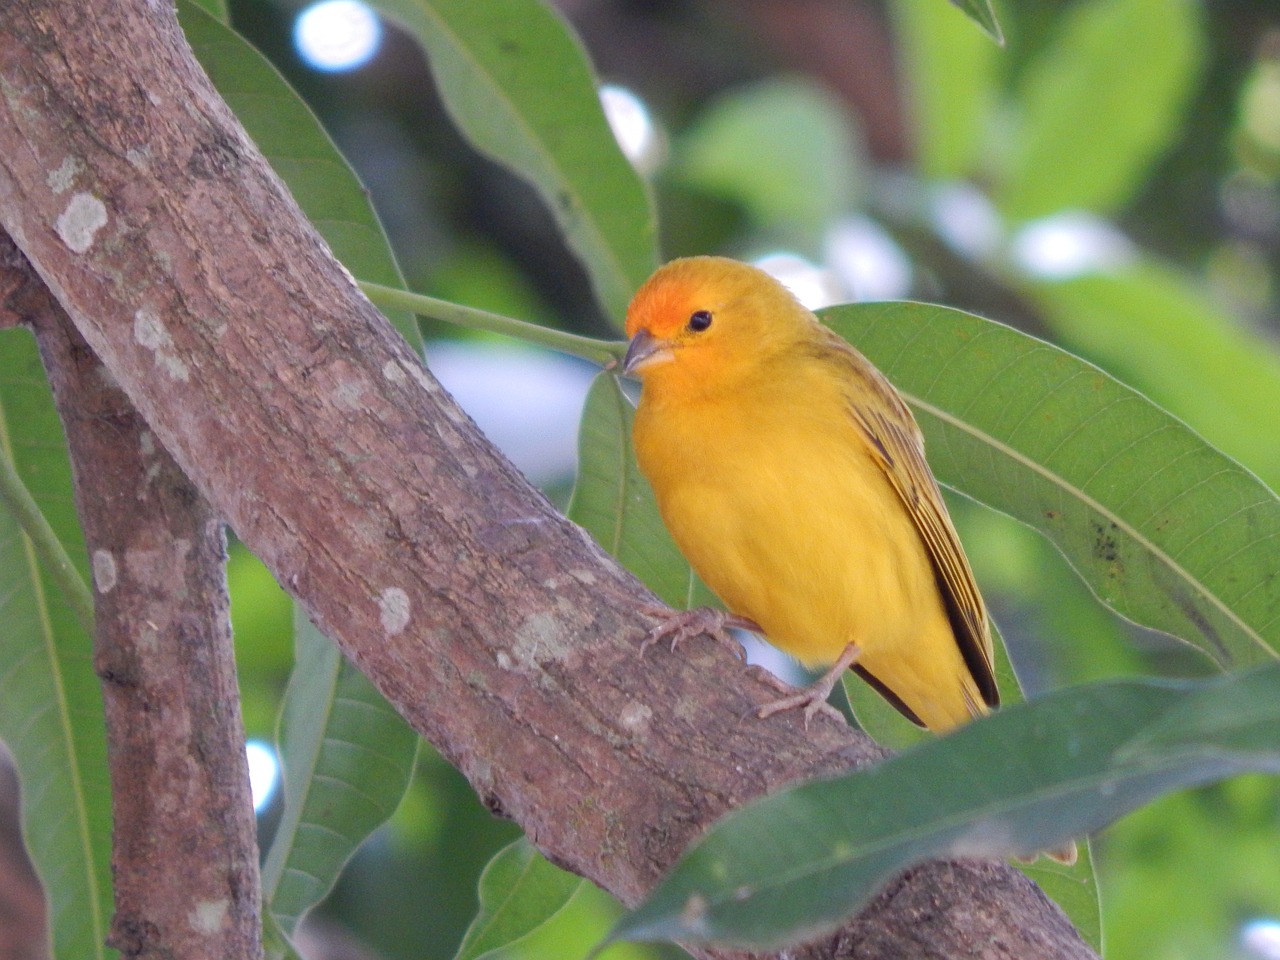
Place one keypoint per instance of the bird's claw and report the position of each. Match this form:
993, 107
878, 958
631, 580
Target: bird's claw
1067, 854
813, 700
680, 625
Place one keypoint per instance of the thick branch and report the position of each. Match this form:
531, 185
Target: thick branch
184, 851
499, 630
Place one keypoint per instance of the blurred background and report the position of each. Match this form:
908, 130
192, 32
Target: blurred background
1108, 180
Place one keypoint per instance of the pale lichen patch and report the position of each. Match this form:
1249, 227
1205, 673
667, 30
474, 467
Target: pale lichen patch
139, 158
77, 225
147, 447
208, 916
174, 367
418, 373
393, 610
149, 640
540, 638
149, 331
60, 180
391, 370
104, 571
106, 377
635, 717
349, 395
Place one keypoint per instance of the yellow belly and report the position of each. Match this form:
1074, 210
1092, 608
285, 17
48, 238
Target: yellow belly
791, 523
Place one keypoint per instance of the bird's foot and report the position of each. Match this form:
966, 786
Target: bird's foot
814, 699
680, 625
1067, 854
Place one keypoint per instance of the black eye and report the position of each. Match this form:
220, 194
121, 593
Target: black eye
700, 321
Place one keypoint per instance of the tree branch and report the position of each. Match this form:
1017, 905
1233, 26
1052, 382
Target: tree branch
499, 630
184, 853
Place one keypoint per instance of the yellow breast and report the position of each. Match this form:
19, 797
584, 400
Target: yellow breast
773, 497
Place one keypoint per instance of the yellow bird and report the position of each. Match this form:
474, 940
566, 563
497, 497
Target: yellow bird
792, 476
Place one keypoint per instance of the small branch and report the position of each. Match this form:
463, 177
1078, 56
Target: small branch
184, 853
602, 352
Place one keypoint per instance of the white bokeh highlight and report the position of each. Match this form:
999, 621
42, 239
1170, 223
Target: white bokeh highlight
264, 772
337, 35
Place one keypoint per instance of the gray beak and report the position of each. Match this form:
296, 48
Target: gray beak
643, 346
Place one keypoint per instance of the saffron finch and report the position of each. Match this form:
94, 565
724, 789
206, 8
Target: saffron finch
792, 476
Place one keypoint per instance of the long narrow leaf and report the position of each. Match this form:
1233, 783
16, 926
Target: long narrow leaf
792, 865
1073, 887
50, 703
1168, 335
347, 758
518, 84
1165, 529
300, 151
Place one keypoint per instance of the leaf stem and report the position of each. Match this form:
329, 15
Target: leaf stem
15, 495
603, 352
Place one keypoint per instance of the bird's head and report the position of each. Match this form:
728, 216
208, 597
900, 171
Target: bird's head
702, 319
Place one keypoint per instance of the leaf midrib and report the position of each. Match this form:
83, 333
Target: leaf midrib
64, 712
1060, 482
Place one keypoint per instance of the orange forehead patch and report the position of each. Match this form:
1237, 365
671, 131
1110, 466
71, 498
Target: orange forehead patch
662, 305
665, 301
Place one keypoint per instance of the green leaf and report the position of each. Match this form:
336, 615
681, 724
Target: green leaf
1165, 529
614, 503
275, 945
51, 707
984, 15
531, 910
214, 8
299, 150
1100, 104
792, 865
784, 149
517, 82
1074, 888
949, 70
1158, 330
519, 892
347, 759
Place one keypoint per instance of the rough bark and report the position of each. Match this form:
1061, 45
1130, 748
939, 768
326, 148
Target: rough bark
184, 843
499, 630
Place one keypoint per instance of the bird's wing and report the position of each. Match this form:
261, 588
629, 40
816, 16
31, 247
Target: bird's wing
895, 441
